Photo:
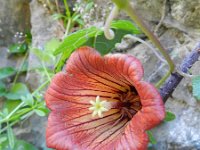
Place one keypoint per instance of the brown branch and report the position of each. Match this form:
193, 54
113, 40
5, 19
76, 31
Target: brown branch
169, 86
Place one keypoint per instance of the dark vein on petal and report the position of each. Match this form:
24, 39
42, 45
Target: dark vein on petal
96, 126
120, 128
76, 95
82, 123
95, 78
121, 75
97, 74
67, 128
106, 138
68, 100
101, 133
54, 84
92, 67
108, 74
91, 84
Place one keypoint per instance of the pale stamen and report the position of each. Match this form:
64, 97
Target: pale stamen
98, 107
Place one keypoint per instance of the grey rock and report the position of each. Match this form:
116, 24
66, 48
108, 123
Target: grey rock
14, 17
43, 29
186, 12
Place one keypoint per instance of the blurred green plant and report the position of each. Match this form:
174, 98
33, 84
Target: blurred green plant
22, 43
19, 103
169, 116
95, 38
72, 18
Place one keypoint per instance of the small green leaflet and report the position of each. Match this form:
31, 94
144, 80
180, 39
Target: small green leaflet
17, 91
72, 42
19, 145
18, 48
51, 45
76, 40
10, 105
41, 112
169, 116
126, 25
94, 37
2, 89
196, 87
151, 137
6, 72
11, 137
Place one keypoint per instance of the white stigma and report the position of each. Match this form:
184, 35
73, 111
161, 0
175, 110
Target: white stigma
98, 107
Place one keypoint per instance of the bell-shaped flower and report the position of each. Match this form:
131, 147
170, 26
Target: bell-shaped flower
101, 103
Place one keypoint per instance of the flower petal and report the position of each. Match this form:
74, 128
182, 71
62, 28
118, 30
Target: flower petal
111, 70
134, 137
153, 111
95, 135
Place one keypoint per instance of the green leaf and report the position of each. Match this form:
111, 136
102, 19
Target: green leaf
19, 145
62, 61
52, 45
76, 17
76, 40
10, 105
169, 116
42, 55
11, 138
24, 66
2, 89
151, 137
23, 145
20, 114
3, 138
94, 37
126, 26
105, 46
40, 112
28, 99
57, 16
18, 48
121, 28
17, 91
196, 87
89, 6
6, 72
46, 55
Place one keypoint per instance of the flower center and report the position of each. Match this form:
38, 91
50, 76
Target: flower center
129, 104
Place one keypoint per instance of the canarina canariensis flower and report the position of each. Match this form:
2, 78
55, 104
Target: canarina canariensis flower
101, 103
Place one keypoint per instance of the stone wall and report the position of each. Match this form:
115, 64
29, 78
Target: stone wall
178, 32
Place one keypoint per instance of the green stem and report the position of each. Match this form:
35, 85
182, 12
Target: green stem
12, 112
109, 34
11, 124
126, 6
20, 68
67, 9
45, 70
68, 27
22, 103
40, 87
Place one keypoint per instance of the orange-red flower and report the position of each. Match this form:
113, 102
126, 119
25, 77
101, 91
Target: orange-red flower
101, 103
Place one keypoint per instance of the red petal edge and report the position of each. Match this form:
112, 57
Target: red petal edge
153, 110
